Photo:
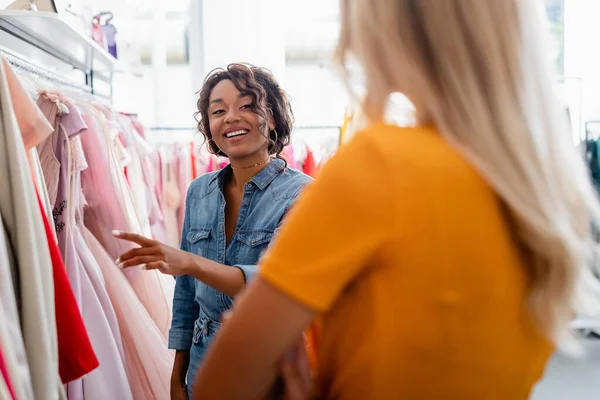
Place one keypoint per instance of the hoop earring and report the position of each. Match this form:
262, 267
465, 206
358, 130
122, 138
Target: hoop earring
276, 136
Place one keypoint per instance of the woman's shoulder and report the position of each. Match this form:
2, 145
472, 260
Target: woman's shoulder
391, 135
413, 149
290, 182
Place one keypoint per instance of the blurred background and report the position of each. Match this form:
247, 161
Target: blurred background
166, 48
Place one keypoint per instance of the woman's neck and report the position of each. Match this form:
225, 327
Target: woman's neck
244, 172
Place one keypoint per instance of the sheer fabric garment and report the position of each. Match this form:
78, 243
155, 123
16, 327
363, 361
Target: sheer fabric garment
147, 360
110, 206
109, 380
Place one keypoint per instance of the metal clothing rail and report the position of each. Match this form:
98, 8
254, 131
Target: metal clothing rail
169, 128
22, 64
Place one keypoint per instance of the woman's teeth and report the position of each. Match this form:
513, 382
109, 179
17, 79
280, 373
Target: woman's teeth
235, 133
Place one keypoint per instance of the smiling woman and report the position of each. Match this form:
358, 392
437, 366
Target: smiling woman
242, 116
231, 215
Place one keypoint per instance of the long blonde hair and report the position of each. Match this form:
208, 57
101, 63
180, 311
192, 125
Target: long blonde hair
479, 70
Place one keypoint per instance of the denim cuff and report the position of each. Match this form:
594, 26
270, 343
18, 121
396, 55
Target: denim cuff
180, 339
249, 271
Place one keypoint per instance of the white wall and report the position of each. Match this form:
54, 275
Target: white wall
241, 31
174, 107
582, 52
317, 93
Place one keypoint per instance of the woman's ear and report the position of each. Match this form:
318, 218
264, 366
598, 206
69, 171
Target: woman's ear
271, 123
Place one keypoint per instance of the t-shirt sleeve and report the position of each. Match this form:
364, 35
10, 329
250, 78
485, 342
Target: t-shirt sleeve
336, 228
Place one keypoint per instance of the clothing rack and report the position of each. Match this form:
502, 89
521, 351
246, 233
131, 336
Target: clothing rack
21, 63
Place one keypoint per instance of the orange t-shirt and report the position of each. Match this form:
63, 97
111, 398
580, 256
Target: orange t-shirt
405, 252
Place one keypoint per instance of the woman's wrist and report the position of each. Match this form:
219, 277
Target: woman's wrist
190, 266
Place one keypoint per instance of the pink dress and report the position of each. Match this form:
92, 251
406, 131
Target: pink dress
109, 380
110, 207
154, 180
184, 179
172, 200
148, 361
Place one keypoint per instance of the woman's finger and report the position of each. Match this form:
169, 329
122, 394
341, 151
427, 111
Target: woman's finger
135, 238
135, 261
159, 265
294, 386
225, 316
138, 251
303, 365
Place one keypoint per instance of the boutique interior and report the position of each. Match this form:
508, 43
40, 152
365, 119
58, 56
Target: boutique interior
103, 96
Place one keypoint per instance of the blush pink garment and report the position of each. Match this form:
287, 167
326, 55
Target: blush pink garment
109, 379
158, 226
137, 125
148, 361
110, 207
172, 198
50, 107
184, 179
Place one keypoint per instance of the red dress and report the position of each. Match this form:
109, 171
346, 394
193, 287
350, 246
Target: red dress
310, 167
76, 356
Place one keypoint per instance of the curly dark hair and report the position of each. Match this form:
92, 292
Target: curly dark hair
268, 101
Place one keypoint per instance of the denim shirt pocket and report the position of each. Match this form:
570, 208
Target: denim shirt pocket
252, 245
199, 241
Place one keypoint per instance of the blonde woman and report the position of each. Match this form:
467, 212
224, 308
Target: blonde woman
444, 259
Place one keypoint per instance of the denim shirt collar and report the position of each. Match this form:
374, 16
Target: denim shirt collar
261, 180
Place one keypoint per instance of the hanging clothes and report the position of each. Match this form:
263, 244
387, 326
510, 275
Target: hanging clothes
184, 178
173, 198
6, 377
11, 339
147, 359
6, 389
110, 34
111, 206
29, 254
76, 356
309, 167
110, 380
98, 34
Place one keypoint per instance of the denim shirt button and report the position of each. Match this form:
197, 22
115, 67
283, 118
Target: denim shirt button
249, 185
246, 202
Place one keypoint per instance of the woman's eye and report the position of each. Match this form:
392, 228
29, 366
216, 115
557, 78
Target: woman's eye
247, 106
216, 112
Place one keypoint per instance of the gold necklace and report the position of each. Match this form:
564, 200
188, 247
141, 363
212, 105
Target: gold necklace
253, 165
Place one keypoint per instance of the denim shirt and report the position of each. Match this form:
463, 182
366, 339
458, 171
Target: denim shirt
197, 307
